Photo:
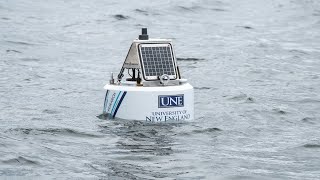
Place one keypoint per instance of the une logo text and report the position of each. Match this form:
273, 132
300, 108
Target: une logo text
167, 101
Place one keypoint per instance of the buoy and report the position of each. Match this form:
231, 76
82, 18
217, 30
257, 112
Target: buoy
152, 90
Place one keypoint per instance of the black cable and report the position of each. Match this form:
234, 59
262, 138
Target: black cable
129, 73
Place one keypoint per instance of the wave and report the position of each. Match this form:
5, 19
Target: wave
120, 17
54, 131
20, 161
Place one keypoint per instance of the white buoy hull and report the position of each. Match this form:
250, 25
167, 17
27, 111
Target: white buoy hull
152, 104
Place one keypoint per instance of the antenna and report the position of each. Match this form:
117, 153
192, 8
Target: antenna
144, 34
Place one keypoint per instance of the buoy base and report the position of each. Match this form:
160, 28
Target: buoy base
151, 104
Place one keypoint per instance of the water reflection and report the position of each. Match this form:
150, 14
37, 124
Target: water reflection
142, 137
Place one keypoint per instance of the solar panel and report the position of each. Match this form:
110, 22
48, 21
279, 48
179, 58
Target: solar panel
157, 60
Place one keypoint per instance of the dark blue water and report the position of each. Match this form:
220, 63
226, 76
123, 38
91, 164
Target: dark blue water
255, 66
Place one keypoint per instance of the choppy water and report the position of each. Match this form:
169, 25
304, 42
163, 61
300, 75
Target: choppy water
255, 66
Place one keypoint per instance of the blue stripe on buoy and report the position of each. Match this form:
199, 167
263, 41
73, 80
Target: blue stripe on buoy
105, 102
122, 97
115, 102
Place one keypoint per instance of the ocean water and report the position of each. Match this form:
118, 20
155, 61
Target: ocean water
255, 66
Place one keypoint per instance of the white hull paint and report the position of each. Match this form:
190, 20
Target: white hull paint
153, 104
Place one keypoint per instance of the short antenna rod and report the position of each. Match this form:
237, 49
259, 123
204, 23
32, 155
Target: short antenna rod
144, 34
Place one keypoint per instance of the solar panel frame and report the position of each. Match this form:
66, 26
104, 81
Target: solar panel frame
156, 64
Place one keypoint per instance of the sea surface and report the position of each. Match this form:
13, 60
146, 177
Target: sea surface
254, 64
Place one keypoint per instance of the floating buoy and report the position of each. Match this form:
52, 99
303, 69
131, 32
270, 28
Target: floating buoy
152, 89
